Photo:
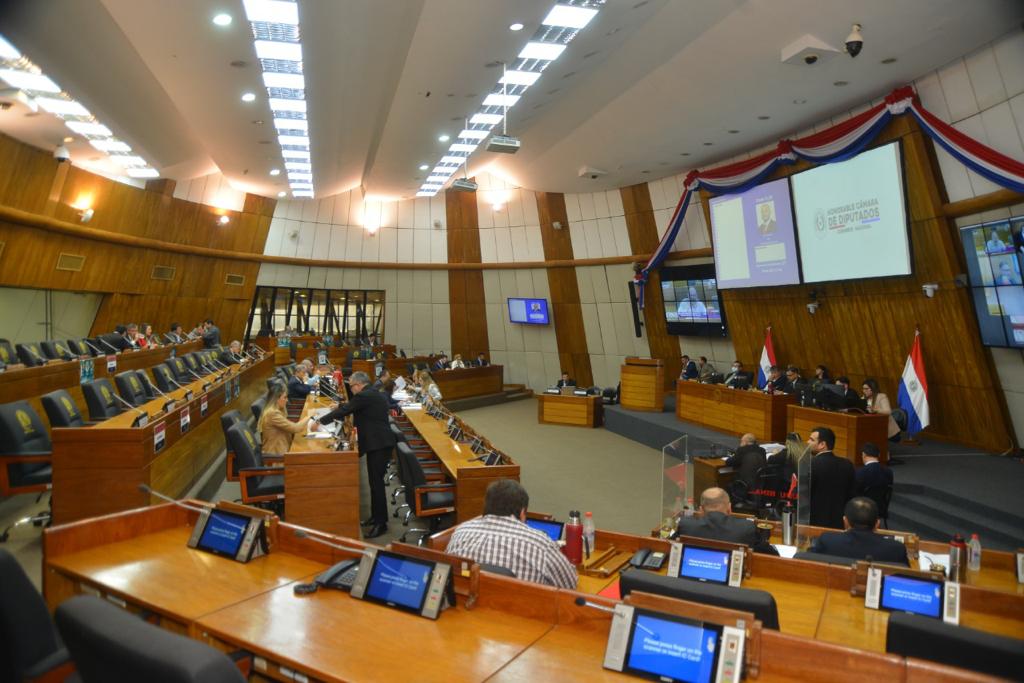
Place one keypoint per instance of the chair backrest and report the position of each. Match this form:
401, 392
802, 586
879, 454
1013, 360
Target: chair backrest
79, 348
27, 634
912, 635
257, 407
162, 375
228, 419
192, 360
179, 368
22, 432
147, 384
8, 356
274, 381
112, 645
30, 355
53, 348
130, 387
61, 409
99, 398
243, 442
411, 473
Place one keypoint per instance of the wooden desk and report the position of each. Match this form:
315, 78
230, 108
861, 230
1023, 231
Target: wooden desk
852, 430
471, 476
642, 384
396, 366
581, 411
467, 382
97, 470
732, 410
709, 473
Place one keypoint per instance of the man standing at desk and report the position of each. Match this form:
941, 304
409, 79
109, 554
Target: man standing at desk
369, 409
832, 480
211, 334
501, 538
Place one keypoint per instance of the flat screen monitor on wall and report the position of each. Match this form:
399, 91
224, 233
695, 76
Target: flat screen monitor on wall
692, 305
528, 311
995, 263
851, 217
753, 236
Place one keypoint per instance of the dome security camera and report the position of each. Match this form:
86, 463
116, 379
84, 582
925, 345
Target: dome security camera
61, 154
810, 59
854, 41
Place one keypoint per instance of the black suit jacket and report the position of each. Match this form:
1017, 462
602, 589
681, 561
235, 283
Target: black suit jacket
719, 526
369, 410
860, 544
832, 484
565, 383
297, 388
747, 461
738, 378
690, 371
481, 363
228, 358
211, 337
872, 476
779, 385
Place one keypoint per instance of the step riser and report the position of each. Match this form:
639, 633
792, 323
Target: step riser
951, 520
935, 530
945, 499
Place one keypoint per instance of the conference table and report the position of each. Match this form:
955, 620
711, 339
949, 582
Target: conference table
469, 382
512, 631
566, 409
734, 411
396, 366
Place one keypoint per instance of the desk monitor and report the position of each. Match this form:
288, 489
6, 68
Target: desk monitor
666, 647
705, 563
493, 458
226, 534
402, 582
911, 594
548, 526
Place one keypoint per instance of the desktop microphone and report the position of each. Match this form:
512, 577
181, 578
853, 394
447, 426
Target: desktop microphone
155, 388
583, 602
108, 344
137, 410
146, 489
331, 393
174, 381
98, 352
302, 533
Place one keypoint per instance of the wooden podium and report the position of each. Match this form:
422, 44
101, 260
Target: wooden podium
852, 430
643, 384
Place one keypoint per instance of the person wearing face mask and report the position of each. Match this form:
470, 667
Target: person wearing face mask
737, 378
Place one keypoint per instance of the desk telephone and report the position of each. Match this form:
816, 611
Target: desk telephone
340, 576
645, 558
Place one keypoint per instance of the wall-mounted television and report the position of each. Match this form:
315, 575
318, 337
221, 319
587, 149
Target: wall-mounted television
528, 311
753, 236
690, 296
995, 264
851, 217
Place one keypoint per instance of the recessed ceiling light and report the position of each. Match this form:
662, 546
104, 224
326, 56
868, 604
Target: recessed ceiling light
840, 84
25, 80
269, 49
448, 159
110, 145
520, 77
8, 51
538, 50
763, 117
443, 138
293, 140
86, 128
499, 100
424, 167
65, 107
275, 171
889, 60
515, 27
474, 134
291, 124
222, 19
294, 154
281, 80
487, 119
281, 104
459, 147
272, 11
282, 194
248, 97
298, 166
569, 16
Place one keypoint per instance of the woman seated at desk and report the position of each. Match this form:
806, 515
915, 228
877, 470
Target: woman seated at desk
878, 402
457, 363
275, 429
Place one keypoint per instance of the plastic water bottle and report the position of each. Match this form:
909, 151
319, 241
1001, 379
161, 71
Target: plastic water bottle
973, 553
588, 533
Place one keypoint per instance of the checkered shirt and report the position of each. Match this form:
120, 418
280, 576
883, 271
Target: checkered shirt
509, 543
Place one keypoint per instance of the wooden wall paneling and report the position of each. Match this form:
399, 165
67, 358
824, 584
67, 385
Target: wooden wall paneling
468, 314
643, 239
26, 175
567, 313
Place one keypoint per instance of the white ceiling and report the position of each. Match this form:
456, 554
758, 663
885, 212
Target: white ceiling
644, 83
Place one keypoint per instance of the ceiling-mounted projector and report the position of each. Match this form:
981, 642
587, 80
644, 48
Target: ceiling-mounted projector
505, 144
464, 185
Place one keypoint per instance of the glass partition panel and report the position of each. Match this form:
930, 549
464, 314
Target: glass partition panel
677, 483
344, 315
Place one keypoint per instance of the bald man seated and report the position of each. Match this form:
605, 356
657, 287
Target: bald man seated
717, 524
859, 541
748, 460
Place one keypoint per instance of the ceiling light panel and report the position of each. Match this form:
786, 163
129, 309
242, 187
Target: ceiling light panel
277, 42
560, 27
18, 71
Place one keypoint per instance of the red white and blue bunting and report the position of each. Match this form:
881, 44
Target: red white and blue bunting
838, 143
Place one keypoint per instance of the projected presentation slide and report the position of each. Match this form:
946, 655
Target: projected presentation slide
691, 301
995, 262
851, 218
399, 581
753, 234
674, 650
705, 565
905, 594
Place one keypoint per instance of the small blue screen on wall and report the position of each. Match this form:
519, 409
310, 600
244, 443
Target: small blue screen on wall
529, 311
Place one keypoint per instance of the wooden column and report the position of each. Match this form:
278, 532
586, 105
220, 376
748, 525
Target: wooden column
465, 287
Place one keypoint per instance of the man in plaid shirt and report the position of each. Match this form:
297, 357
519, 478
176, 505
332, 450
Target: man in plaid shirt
501, 538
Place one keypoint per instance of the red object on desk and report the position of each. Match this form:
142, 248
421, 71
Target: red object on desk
611, 591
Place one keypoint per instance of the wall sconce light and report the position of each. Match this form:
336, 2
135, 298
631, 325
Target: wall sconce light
224, 220
85, 215
929, 289
497, 206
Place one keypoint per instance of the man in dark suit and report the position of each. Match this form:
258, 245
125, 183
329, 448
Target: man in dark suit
832, 480
873, 479
850, 396
737, 378
211, 334
298, 386
717, 524
369, 409
176, 335
776, 382
794, 381
565, 381
481, 361
748, 459
690, 370
441, 363
859, 541
232, 354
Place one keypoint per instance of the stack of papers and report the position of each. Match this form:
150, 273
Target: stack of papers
787, 551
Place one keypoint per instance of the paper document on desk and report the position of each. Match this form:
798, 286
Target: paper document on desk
926, 560
412, 406
787, 551
319, 435
399, 383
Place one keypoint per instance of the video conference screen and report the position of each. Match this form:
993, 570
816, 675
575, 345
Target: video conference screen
528, 311
917, 596
690, 296
399, 581
851, 217
673, 649
705, 564
753, 236
995, 262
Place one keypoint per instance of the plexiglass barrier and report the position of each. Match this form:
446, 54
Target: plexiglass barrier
677, 490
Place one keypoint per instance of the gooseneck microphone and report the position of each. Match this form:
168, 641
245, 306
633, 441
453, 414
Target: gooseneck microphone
97, 351
108, 344
583, 602
302, 533
146, 489
140, 411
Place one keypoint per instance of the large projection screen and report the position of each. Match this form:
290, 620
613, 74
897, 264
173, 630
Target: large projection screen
851, 218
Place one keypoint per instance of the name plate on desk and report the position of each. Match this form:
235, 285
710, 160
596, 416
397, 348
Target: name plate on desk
203, 404
159, 436
141, 421
185, 419
188, 395
228, 534
402, 582
111, 364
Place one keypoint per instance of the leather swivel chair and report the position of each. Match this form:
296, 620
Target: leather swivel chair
912, 635
61, 409
80, 348
194, 364
30, 355
164, 377
26, 456
180, 369
259, 483
8, 356
111, 645
229, 419
426, 499
55, 349
257, 407
147, 385
130, 387
99, 399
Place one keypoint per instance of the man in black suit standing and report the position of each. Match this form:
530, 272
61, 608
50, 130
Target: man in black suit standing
369, 409
565, 381
859, 541
718, 525
211, 334
747, 460
873, 479
832, 480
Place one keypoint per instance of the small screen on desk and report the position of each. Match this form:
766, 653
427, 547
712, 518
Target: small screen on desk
223, 533
673, 648
399, 581
917, 596
705, 564
550, 527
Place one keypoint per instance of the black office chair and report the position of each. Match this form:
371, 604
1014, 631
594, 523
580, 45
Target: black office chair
8, 356
26, 457
425, 498
768, 489
495, 569
195, 364
147, 385
761, 603
61, 409
288, 370
229, 419
80, 348
130, 388
274, 381
30, 355
882, 495
911, 635
28, 638
99, 399
257, 407
180, 370
55, 349
111, 645
824, 558
164, 377
260, 484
